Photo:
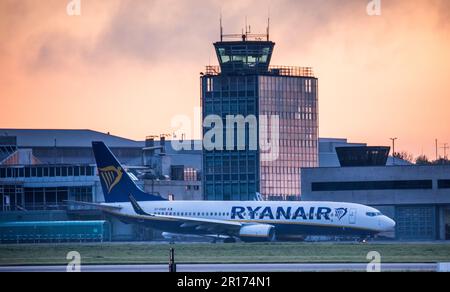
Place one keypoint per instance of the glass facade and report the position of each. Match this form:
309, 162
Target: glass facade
243, 56
418, 222
362, 156
12, 179
230, 175
245, 85
46, 171
294, 101
43, 198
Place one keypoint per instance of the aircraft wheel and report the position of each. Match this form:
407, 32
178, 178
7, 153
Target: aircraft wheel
273, 236
229, 240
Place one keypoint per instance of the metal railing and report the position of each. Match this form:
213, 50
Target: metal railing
273, 70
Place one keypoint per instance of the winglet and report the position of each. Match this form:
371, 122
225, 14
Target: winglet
136, 206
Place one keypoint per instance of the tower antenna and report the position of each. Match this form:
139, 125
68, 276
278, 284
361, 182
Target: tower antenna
221, 27
246, 26
268, 24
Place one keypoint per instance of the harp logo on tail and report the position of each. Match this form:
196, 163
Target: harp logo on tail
111, 176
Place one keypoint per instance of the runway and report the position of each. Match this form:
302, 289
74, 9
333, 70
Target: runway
416, 267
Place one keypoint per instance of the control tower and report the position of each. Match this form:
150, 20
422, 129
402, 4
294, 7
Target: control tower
246, 84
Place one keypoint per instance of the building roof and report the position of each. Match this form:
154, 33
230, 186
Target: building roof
66, 138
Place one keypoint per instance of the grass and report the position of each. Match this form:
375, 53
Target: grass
49, 254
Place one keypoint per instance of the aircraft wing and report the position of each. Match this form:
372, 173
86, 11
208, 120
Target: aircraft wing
101, 207
203, 224
210, 225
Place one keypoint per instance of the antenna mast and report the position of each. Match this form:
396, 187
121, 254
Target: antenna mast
221, 27
268, 23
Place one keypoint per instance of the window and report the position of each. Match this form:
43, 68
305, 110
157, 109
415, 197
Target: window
372, 185
373, 214
82, 194
444, 184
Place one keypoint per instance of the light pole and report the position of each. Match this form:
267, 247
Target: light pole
445, 147
393, 149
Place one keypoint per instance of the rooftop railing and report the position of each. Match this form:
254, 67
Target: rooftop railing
273, 70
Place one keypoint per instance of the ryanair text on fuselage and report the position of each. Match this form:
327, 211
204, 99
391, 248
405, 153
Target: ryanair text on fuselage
286, 213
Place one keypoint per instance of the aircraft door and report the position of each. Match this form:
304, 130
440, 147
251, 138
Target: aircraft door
352, 216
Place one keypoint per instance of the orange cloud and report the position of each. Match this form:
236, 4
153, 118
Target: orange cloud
128, 66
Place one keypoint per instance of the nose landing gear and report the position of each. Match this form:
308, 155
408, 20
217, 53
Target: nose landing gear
365, 239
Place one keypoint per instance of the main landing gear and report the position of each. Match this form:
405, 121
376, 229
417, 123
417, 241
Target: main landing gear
229, 240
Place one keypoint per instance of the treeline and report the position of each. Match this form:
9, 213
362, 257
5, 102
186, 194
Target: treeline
421, 160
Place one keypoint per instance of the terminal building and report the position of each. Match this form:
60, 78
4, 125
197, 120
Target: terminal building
40, 170
246, 85
416, 197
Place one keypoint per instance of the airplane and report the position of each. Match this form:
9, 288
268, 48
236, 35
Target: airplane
248, 221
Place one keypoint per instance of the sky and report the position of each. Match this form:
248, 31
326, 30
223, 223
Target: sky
129, 66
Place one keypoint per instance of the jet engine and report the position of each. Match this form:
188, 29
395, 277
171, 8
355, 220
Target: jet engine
257, 233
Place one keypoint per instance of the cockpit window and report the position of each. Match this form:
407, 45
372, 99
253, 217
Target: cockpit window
374, 214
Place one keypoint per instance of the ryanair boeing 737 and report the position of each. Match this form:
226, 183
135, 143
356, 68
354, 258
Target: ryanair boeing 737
248, 221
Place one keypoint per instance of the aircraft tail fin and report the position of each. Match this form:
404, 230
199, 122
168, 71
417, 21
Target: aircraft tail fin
116, 183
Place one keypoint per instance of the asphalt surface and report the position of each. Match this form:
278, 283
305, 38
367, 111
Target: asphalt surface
417, 267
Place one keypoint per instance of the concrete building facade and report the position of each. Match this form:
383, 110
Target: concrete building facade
416, 197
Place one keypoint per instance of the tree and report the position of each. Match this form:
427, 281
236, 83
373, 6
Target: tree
403, 155
422, 160
442, 161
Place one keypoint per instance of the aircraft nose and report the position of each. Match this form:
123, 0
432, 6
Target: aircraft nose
387, 223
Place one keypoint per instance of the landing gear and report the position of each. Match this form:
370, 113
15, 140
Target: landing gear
364, 239
273, 236
229, 240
